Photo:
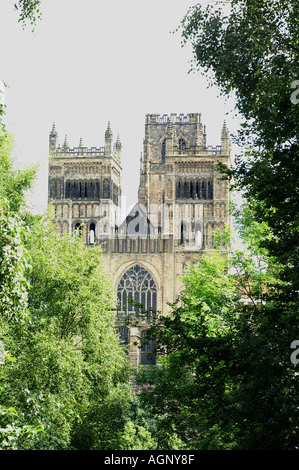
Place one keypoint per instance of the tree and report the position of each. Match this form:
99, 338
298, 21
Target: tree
225, 379
250, 48
14, 261
13, 313
65, 375
15, 182
68, 355
14, 318
14, 287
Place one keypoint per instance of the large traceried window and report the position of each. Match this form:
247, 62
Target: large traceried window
136, 285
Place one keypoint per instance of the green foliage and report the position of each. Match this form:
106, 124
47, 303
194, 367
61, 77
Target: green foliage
136, 438
14, 431
70, 376
29, 10
250, 48
14, 262
14, 182
223, 351
69, 352
14, 286
69, 290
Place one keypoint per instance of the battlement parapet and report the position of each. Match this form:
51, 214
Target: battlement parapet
190, 118
80, 152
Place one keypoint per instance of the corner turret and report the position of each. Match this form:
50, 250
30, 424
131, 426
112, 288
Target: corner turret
65, 144
225, 140
53, 139
108, 141
117, 149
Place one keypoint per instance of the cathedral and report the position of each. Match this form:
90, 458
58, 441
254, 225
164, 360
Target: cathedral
182, 200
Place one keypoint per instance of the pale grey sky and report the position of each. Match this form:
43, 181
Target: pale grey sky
90, 62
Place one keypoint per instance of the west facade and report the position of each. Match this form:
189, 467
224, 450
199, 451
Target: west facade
182, 200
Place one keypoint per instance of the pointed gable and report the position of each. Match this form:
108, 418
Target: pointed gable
136, 224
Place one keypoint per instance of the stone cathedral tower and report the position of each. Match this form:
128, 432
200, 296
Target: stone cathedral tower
181, 202
84, 186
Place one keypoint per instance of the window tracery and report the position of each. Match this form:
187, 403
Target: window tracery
136, 285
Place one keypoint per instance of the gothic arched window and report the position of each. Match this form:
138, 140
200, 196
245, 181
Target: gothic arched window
68, 189
184, 228
186, 190
198, 237
182, 145
97, 190
136, 285
163, 150
169, 189
78, 229
91, 189
106, 189
197, 189
147, 350
203, 190
178, 189
210, 190
92, 230
191, 194
53, 189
